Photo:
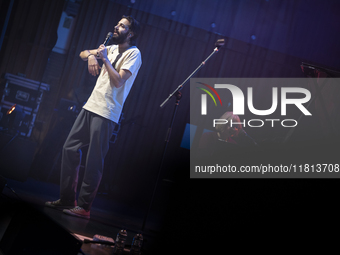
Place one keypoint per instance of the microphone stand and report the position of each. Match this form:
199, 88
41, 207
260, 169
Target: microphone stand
178, 96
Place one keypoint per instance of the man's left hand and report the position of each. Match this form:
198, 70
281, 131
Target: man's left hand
102, 52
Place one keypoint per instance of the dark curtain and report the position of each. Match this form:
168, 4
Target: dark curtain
30, 36
171, 51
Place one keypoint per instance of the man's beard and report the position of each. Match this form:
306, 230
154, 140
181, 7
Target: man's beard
119, 39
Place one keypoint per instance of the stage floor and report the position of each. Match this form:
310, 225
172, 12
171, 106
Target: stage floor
208, 215
107, 216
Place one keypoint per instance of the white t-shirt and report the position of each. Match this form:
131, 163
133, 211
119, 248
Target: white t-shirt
106, 100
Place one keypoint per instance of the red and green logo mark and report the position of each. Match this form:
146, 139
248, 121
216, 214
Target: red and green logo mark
209, 93
204, 97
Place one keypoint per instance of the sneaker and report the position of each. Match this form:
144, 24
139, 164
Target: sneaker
61, 204
78, 212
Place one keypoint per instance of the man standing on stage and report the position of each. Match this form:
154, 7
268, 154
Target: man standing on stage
96, 121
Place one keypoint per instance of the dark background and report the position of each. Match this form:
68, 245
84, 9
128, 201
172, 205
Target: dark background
264, 38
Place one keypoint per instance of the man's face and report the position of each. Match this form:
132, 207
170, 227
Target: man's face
121, 32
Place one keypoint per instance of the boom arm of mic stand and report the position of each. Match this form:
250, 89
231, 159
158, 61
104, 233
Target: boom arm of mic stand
187, 79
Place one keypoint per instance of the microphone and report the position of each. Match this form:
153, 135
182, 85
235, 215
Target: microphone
107, 39
219, 43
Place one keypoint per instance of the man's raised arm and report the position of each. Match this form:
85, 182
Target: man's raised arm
90, 56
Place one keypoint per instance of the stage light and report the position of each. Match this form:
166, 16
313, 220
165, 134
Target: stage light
11, 109
13, 121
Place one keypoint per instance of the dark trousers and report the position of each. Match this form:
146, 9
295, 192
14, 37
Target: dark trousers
92, 130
